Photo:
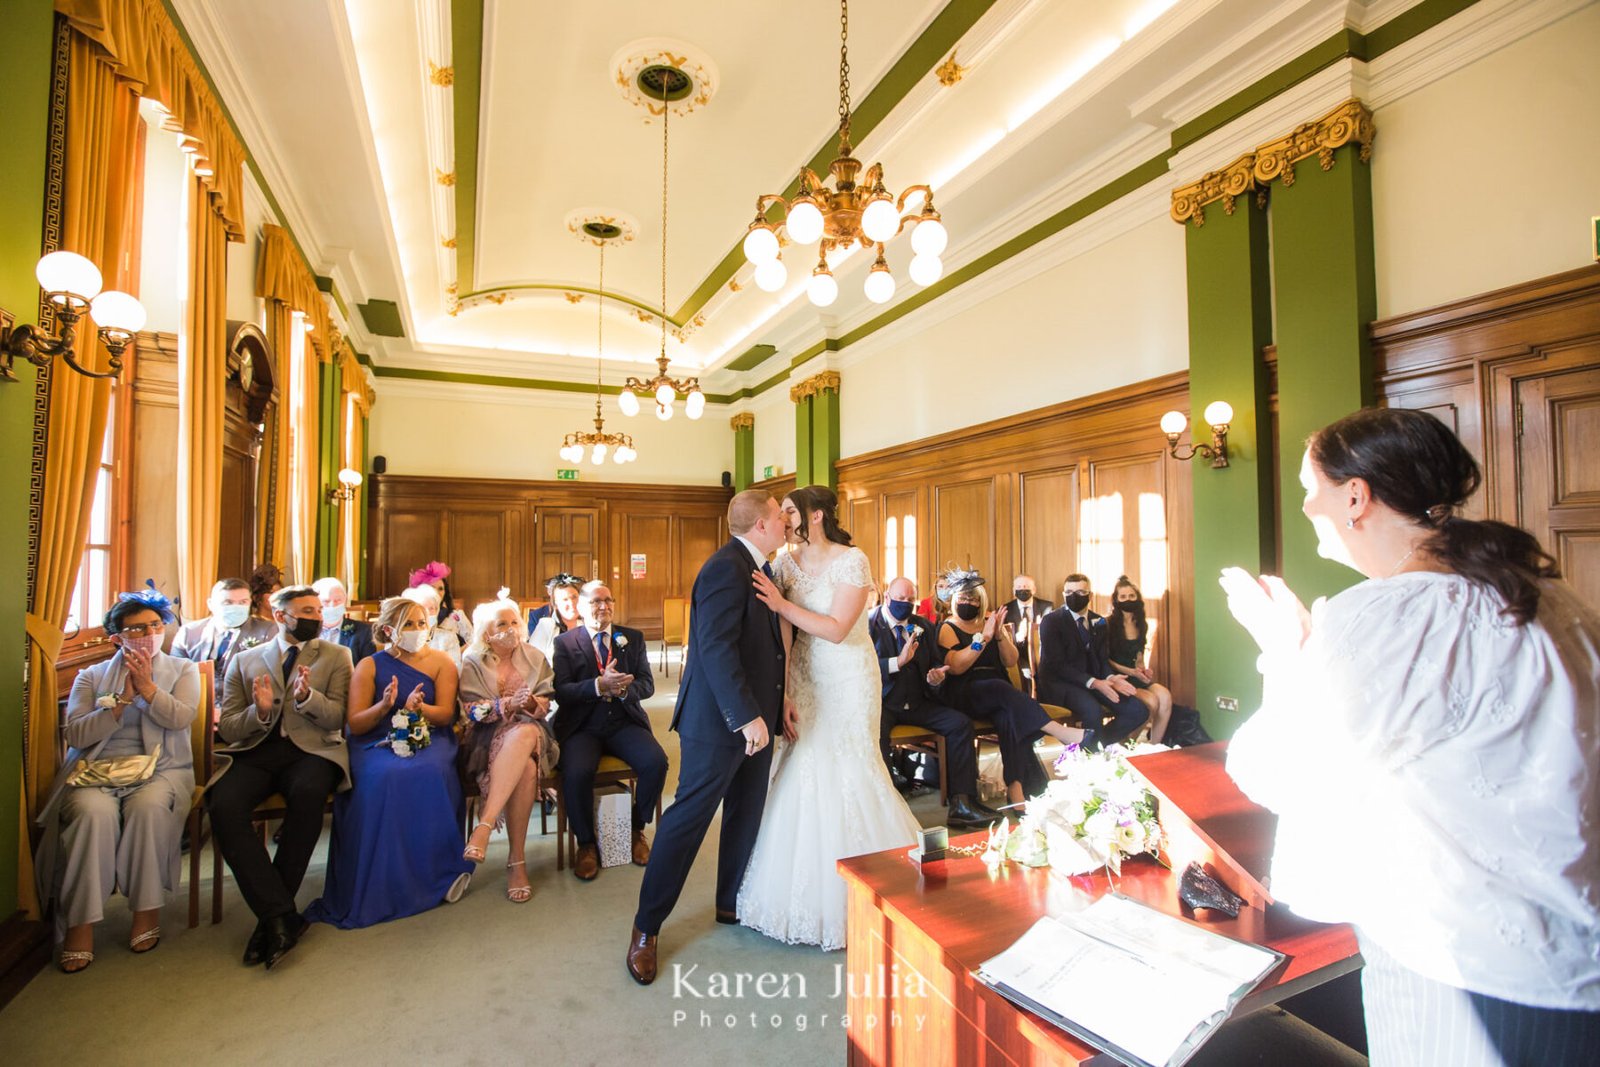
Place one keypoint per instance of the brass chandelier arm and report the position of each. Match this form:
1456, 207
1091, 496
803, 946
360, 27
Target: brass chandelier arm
39, 348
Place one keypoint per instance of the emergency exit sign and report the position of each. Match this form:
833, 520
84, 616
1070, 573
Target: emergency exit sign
567, 475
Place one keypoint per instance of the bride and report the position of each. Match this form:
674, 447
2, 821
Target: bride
830, 795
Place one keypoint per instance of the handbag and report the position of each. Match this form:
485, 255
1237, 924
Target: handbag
115, 772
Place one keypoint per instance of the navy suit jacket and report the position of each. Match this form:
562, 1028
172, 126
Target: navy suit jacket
576, 669
357, 637
735, 673
908, 686
1066, 661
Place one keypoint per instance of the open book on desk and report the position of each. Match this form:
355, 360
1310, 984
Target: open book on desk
1146, 987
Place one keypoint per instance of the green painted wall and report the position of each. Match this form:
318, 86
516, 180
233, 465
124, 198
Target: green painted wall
328, 379
824, 438
25, 26
1230, 322
802, 442
744, 457
1326, 299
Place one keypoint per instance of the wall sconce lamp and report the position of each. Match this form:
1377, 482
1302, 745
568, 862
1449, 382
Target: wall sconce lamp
349, 482
72, 284
1219, 413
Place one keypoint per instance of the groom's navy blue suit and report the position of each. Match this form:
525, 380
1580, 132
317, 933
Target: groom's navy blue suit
734, 676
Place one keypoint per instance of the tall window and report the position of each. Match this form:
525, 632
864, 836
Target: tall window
900, 547
92, 595
300, 539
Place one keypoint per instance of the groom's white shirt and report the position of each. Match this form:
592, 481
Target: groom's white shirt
755, 553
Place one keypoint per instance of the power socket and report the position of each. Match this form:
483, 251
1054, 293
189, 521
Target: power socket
1227, 704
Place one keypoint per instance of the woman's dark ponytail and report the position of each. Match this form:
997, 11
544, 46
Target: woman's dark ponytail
1413, 464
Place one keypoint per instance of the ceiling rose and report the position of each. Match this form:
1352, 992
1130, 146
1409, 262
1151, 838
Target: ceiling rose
594, 226
641, 69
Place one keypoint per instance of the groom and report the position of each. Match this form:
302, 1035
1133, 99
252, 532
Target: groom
729, 704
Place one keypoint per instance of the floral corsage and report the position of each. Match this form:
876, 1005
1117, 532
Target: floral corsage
619, 640
482, 710
106, 701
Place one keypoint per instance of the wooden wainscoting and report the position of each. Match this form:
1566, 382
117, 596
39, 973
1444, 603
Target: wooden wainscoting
1516, 374
495, 532
1085, 485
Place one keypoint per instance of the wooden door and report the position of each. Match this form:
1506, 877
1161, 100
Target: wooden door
569, 541
1558, 489
1049, 507
639, 595
484, 550
900, 550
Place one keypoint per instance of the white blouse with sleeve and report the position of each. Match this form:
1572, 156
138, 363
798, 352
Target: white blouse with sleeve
1436, 773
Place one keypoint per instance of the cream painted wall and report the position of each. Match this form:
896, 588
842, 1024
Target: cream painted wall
509, 433
774, 438
1114, 315
1489, 176
164, 239
243, 304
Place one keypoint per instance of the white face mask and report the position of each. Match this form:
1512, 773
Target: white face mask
332, 617
411, 640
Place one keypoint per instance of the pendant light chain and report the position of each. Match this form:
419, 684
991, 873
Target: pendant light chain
666, 114
844, 71
599, 335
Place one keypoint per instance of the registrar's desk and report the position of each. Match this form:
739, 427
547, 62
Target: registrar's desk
916, 934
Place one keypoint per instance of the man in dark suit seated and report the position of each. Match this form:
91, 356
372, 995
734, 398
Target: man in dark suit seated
227, 631
1075, 672
1023, 613
906, 650
336, 628
602, 673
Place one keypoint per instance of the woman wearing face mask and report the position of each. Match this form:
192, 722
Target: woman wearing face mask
506, 686
396, 844
563, 615
1128, 635
101, 839
978, 647
449, 624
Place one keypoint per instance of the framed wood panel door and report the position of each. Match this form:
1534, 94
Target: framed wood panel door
964, 531
639, 598
484, 550
568, 541
409, 539
1558, 477
1048, 506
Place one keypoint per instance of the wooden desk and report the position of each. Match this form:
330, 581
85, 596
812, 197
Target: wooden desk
916, 934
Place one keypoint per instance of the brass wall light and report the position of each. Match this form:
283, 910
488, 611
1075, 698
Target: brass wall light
349, 482
72, 284
1219, 413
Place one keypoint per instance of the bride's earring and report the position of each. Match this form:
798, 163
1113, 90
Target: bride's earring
1349, 524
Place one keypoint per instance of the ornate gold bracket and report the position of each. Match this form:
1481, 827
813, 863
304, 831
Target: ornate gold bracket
817, 383
743, 421
1350, 122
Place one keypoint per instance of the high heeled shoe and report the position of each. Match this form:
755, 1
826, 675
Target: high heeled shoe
520, 894
476, 853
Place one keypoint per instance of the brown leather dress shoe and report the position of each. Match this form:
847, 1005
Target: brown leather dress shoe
641, 849
587, 865
642, 957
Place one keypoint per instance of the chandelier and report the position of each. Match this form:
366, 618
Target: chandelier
852, 213
663, 387
620, 445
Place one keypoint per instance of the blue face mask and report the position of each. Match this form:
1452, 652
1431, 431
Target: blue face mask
900, 609
232, 616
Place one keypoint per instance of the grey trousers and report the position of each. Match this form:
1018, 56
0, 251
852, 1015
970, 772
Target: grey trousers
120, 840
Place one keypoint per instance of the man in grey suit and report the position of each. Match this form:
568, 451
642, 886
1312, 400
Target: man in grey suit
229, 630
283, 714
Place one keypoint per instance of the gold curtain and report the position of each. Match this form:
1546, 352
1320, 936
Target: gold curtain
202, 378
102, 135
355, 404
272, 484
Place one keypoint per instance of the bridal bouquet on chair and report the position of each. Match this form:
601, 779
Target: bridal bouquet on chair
1096, 811
408, 731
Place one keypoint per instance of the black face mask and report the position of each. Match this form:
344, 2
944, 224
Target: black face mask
1023, 595
967, 612
1135, 605
303, 630
1076, 602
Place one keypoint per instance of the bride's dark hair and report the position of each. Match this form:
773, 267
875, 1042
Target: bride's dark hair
819, 498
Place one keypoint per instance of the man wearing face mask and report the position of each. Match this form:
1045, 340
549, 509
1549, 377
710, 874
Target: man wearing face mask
906, 653
338, 628
229, 630
283, 715
1075, 671
1023, 613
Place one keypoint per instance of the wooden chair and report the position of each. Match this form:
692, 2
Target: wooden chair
922, 739
612, 771
200, 744
983, 730
674, 628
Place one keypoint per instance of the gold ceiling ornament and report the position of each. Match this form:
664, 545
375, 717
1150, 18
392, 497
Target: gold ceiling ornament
450, 290
743, 421
497, 298
441, 76
599, 226
598, 443
663, 387
656, 74
849, 215
733, 285
448, 242
573, 298
949, 72
1349, 123
444, 177
827, 381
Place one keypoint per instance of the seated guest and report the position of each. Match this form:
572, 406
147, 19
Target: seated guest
230, 629
602, 673
561, 614
101, 838
1075, 671
264, 581
1023, 613
282, 727
448, 620
395, 849
353, 634
1127, 634
427, 598
937, 606
905, 644
978, 648
506, 685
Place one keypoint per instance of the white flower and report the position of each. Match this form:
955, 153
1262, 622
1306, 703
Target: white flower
1130, 838
620, 641
399, 720
105, 701
478, 711
400, 748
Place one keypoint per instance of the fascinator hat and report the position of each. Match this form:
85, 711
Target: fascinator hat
961, 580
150, 597
433, 572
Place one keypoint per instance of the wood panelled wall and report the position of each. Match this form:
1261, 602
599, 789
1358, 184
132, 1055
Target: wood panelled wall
1085, 485
1516, 374
495, 532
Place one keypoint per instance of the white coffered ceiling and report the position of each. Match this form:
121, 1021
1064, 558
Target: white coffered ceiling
359, 137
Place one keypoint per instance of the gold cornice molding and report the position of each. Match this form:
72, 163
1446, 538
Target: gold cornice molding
1350, 122
817, 383
743, 421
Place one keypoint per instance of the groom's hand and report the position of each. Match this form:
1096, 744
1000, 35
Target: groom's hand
755, 736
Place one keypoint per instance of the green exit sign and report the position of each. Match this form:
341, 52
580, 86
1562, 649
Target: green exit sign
766, 472
569, 475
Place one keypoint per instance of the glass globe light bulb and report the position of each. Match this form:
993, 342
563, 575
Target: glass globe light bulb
1219, 413
696, 405
822, 289
760, 245
117, 311
665, 394
879, 286
926, 269
628, 401
771, 275
68, 272
1173, 423
880, 222
804, 222
929, 237
663, 412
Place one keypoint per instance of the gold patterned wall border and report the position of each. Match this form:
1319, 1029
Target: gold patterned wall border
1349, 123
827, 381
743, 421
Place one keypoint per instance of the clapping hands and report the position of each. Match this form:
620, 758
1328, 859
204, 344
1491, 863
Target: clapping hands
613, 682
1268, 609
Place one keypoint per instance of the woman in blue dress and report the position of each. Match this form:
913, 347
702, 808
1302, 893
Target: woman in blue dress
396, 844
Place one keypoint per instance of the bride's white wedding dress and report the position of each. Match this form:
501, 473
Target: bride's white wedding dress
830, 795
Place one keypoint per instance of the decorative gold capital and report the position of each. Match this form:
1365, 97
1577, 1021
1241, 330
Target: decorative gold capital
442, 76
817, 383
743, 421
949, 72
1234, 180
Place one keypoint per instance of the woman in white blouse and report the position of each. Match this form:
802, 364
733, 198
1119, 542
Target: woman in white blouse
1430, 739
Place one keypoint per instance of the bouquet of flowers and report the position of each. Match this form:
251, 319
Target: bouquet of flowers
1096, 811
408, 732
